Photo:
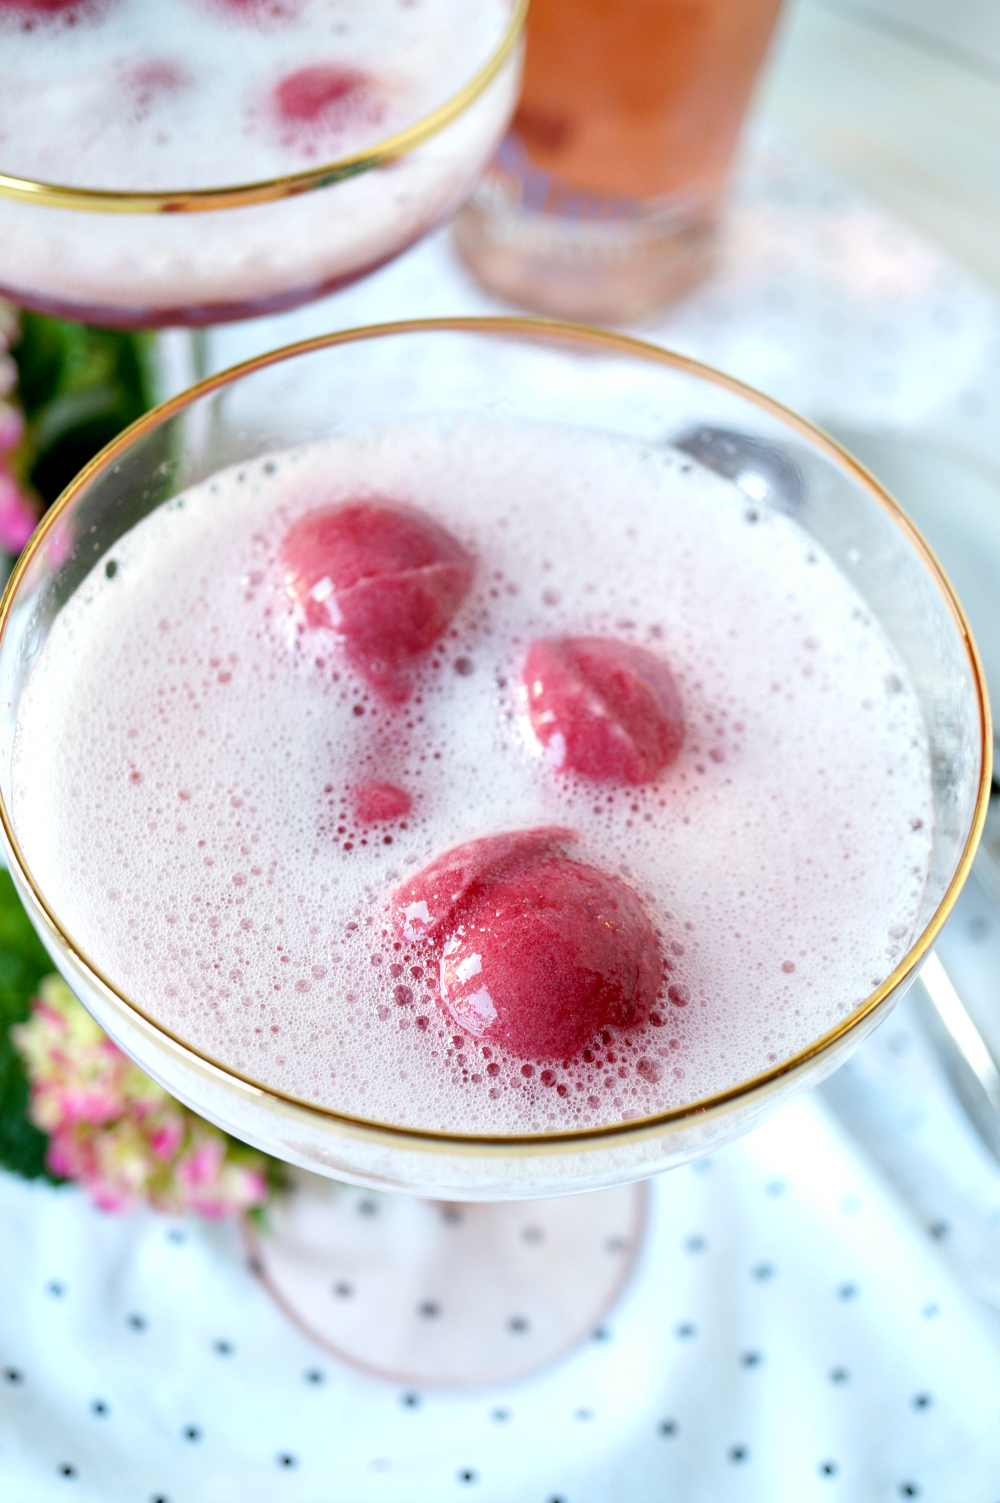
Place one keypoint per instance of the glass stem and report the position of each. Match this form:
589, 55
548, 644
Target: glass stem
181, 360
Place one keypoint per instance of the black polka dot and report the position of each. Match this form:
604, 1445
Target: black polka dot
930, 1310
451, 1215
467, 1475
695, 1244
764, 1271
616, 1245
224, 1348
137, 1322
430, 1309
601, 1334
938, 1230
668, 1427
367, 1208
66, 1470
738, 1453
343, 1290
111, 568
500, 1415
583, 1414
159, 1498
908, 1490
921, 1401
56, 1289
686, 1330
13, 1375
839, 1375
828, 1469
410, 1400
518, 1324
176, 1236
191, 1432
286, 1459
751, 1359
847, 1291
776, 1187
532, 1234
100, 1406
313, 1375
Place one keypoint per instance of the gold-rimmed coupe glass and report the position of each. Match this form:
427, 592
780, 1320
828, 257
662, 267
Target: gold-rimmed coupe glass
148, 255
350, 384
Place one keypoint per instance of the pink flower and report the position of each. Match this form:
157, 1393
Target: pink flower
108, 1197
117, 1132
201, 1166
166, 1138
247, 1187
11, 427
76, 1103
68, 1156
18, 517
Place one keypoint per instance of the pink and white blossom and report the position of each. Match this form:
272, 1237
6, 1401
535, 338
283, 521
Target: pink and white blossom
117, 1132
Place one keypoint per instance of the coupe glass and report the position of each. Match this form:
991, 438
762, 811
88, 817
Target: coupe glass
374, 1276
135, 252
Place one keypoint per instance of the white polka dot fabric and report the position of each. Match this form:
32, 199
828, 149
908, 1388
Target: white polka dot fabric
811, 1315
791, 1334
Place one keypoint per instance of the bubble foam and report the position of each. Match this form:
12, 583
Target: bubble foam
188, 757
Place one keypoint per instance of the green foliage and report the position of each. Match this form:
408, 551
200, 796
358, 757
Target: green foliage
79, 388
23, 963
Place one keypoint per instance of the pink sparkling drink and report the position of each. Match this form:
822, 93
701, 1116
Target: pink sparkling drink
236, 823
184, 97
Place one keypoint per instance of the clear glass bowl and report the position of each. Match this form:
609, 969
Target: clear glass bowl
351, 382
199, 256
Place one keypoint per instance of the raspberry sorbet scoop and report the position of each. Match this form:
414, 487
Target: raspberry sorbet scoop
536, 952
603, 708
384, 577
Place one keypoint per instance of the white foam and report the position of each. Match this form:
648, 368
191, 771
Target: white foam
184, 754
180, 94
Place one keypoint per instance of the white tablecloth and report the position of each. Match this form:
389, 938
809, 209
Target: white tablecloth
791, 1334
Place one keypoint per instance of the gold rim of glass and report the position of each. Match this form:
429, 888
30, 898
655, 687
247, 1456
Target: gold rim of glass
201, 200
581, 1138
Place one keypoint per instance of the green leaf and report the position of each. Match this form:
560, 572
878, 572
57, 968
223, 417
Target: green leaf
23, 963
39, 355
79, 388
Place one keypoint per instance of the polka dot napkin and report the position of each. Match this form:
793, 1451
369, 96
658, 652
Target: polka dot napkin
788, 1336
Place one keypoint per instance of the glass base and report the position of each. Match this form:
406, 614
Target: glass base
437, 1294
594, 271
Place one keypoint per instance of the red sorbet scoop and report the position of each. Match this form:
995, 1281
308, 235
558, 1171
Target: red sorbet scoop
384, 577
311, 93
374, 803
603, 708
537, 952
